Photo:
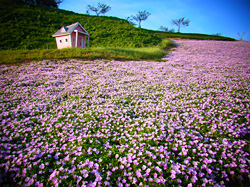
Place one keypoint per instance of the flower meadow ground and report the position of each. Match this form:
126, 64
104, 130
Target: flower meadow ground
183, 122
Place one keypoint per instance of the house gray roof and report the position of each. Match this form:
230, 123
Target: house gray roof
68, 29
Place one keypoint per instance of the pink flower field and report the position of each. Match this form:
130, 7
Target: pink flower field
180, 122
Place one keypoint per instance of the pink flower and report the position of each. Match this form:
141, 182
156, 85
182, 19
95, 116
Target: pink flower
194, 179
85, 175
138, 174
90, 164
107, 183
53, 174
41, 166
155, 175
134, 181
173, 176
179, 181
55, 180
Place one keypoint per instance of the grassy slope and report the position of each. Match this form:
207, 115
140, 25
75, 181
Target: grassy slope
29, 27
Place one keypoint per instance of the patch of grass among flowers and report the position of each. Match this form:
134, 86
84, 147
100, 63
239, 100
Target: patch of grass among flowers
182, 122
146, 53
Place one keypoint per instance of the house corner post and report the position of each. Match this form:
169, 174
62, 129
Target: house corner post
88, 41
76, 38
70, 40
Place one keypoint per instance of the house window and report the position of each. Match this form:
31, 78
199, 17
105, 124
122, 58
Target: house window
60, 41
66, 40
73, 39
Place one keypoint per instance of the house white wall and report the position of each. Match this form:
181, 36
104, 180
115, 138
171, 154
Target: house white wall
63, 41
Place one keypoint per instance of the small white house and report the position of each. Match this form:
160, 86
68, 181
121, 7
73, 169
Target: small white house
73, 35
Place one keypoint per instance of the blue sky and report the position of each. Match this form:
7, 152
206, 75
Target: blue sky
227, 17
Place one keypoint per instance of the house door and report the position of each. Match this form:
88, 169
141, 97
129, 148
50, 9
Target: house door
80, 42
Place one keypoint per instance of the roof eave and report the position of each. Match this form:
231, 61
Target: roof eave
82, 32
55, 35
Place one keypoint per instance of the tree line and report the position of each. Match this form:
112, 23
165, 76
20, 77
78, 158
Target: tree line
142, 16
47, 3
102, 8
138, 18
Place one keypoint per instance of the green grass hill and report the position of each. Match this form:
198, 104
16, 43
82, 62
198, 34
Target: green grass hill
31, 27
